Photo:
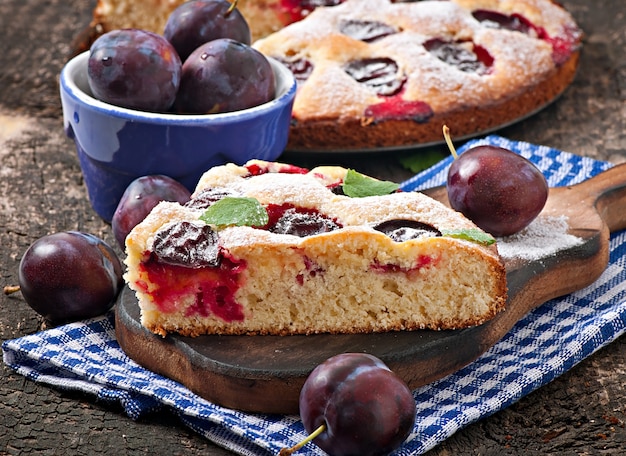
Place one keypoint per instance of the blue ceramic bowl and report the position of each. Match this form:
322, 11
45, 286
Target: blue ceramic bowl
116, 145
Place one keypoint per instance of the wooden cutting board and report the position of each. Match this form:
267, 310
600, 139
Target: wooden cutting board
265, 373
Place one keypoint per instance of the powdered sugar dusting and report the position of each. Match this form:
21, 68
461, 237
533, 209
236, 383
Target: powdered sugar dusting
302, 190
310, 191
544, 237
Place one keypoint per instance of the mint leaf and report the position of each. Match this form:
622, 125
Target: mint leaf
236, 211
357, 185
422, 160
473, 235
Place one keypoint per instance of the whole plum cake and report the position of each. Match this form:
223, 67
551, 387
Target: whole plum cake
270, 248
386, 74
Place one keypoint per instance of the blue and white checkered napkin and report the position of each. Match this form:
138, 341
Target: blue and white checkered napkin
550, 340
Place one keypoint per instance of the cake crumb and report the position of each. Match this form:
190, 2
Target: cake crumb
544, 237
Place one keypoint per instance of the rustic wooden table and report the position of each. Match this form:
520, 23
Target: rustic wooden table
41, 191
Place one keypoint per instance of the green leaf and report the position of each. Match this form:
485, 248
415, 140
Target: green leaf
357, 185
422, 160
236, 211
473, 235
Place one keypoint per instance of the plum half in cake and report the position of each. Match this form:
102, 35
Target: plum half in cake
269, 248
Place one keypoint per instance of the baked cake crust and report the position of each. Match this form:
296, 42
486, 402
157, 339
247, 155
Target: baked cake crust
352, 279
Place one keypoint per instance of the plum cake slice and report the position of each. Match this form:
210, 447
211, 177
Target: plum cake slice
270, 248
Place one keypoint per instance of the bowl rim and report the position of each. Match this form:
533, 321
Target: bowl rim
70, 87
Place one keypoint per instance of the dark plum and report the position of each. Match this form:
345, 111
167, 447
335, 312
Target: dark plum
301, 222
134, 69
337, 189
367, 31
199, 21
207, 197
365, 408
301, 68
495, 19
70, 276
464, 55
562, 45
139, 199
380, 74
224, 75
500, 191
187, 244
404, 230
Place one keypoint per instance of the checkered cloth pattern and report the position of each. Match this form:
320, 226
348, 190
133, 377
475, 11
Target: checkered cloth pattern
550, 340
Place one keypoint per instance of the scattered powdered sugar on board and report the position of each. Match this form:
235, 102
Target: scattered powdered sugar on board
544, 237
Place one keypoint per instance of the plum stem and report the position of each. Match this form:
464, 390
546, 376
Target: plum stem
10, 289
446, 136
296, 447
230, 9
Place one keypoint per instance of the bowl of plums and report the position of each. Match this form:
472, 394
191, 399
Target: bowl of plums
175, 104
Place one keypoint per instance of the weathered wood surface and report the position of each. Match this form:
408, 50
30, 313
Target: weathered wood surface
41, 191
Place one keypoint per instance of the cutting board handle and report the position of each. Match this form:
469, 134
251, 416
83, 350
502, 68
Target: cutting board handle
607, 193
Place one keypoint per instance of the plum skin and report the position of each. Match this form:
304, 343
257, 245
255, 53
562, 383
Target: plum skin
500, 191
134, 69
224, 75
140, 197
197, 22
69, 276
367, 409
